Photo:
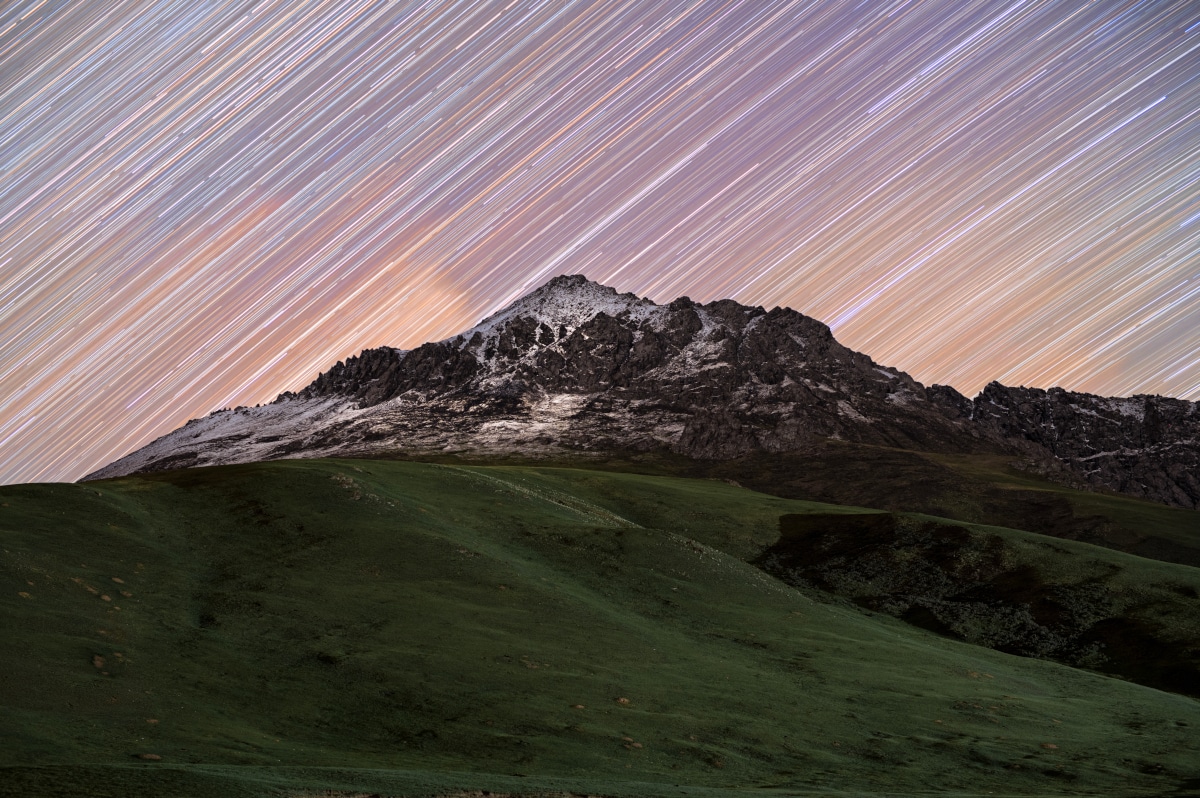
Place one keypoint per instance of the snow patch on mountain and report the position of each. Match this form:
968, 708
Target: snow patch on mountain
237, 436
565, 302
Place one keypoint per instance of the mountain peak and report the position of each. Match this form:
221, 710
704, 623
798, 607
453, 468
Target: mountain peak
570, 282
575, 287
565, 301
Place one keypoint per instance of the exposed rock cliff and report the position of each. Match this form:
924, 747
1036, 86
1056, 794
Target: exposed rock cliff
1146, 446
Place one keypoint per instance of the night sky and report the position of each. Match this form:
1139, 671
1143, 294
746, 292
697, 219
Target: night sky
204, 203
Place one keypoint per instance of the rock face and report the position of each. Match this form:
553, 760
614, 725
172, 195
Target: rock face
575, 367
1145, 446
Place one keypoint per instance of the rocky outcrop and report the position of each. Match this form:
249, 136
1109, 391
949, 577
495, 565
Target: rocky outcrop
1145, 446
576, 367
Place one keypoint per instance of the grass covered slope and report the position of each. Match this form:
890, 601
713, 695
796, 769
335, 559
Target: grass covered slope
603, 632
978, 488
991, 489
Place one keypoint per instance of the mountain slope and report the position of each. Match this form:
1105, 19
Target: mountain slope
576, 368
609, 626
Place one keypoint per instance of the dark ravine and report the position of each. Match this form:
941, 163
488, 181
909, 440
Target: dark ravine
576, 368
993, 591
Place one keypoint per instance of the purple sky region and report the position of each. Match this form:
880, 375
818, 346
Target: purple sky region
203, 204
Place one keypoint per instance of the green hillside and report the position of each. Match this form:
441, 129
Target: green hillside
999, 490
980, 488
295, 627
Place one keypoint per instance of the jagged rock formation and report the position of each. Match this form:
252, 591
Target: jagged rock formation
1145, 446
712, 381
575, 367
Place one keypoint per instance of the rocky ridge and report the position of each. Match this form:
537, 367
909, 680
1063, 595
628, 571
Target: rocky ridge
1144, 446
578, 368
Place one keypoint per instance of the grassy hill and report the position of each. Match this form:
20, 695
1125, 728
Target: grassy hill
998, 490
296, 627
979, 488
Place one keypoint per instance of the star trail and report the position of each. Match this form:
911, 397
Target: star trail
204, 203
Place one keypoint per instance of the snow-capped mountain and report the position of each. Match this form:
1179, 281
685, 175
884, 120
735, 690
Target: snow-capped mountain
575, 367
